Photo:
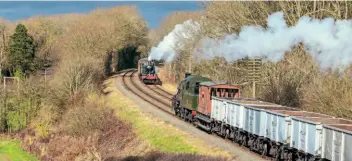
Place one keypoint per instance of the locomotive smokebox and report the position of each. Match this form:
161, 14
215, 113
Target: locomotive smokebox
187, 74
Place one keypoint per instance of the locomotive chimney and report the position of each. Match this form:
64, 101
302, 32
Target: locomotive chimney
187, 74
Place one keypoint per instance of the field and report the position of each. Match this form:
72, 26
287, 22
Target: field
10, 150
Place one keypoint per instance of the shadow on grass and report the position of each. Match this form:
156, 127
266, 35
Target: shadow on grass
157, 156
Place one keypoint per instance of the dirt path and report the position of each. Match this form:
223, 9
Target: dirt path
240, 153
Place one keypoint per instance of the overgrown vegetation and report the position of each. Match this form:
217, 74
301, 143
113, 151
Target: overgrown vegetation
53, 102
61, 62
296, 81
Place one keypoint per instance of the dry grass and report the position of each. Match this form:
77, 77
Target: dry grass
171, 88
168, 80
152, 130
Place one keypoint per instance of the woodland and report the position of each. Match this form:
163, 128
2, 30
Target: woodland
53, 64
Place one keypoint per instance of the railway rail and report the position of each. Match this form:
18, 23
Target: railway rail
161, 99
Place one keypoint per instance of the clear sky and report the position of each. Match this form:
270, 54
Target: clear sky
152, 11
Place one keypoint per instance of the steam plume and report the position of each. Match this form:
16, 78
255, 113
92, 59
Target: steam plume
166, 48
328, 41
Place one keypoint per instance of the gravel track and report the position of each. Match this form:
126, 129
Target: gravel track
149, 97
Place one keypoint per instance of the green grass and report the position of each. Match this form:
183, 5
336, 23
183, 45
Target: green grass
10, 150
158, 134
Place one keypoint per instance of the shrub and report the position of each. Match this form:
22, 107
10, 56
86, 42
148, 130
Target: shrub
74, 79
16, 120
86, 118
329, 93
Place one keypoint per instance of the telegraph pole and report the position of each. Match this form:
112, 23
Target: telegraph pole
254, 66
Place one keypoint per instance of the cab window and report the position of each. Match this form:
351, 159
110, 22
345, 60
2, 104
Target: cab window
196, 88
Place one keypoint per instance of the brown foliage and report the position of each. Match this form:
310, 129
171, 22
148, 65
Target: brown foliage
295, 81
108, 139
285, 80
85, 118
329, 93
78, 44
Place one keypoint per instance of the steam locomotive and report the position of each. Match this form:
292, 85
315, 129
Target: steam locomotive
147, 72
280, 132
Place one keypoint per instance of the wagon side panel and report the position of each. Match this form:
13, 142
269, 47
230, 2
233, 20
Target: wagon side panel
328, 143
295, 134
214, 106
337, 146
246, 119
257, 122
311, 137
240, 116
262, 124
268, 126
302, 136
223, 111
231, 115
282, 129
347, 147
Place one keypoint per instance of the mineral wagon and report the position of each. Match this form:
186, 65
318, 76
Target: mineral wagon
307, 135
281, 132
337, 145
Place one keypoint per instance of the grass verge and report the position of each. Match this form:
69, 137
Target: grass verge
171, 88
158, 134
10, 150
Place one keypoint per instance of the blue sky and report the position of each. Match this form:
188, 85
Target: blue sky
152, 11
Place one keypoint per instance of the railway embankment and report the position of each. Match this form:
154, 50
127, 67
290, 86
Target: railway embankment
157, 134
146, 98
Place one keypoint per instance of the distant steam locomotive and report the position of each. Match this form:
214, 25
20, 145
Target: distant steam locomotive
147, 72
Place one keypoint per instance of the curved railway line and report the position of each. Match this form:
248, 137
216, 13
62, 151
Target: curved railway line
161, 99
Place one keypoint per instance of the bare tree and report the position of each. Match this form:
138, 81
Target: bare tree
2, 46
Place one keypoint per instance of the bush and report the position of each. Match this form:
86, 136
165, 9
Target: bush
19, 108
74, 79
16, 120
330, 94
86, 119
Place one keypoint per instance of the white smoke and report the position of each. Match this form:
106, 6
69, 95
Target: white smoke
327, 40
166, 48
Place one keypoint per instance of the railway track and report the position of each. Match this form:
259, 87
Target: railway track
160, 91
137, 90
161, 99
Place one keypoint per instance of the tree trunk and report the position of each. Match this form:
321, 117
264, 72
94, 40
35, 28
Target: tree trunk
1, 60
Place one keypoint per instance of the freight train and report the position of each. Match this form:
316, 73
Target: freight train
147, 72
279, 132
